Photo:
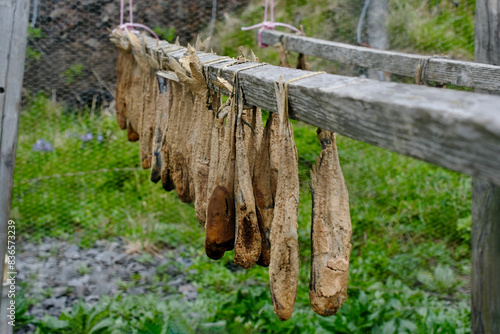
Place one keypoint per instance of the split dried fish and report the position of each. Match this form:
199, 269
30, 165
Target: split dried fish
284, 265
220, 223
330, 230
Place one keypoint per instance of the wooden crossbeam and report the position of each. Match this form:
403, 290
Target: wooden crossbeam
459, 73
453, 129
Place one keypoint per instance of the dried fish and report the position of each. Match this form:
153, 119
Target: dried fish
176, 148
284, 265
263, 191
148, 66
163, 105
330, 230
201, 132
248, 242
220, 223
135, 98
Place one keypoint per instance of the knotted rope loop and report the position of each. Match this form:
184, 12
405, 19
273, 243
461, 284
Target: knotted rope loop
265, 24
131, 25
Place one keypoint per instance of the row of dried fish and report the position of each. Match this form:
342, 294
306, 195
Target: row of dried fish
241, 176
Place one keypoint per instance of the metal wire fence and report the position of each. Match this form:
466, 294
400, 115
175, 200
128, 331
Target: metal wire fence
77, 177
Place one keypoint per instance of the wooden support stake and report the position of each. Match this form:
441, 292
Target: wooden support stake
459, 73
376, 30
485, 256
13, 40
485, 240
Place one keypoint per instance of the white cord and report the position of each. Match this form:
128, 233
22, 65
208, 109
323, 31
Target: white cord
35, 13
214, 16
361, 19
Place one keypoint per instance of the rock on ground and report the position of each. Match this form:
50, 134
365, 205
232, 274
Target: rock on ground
58, 274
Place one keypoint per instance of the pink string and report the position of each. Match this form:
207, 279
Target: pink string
131, 24
265, 24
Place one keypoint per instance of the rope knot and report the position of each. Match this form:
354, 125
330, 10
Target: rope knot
265, 24
131, 25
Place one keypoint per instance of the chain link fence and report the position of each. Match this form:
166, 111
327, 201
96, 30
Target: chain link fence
79, 181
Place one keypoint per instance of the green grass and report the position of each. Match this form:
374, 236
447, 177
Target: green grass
92, 189
410, 261
411, 225
412, 27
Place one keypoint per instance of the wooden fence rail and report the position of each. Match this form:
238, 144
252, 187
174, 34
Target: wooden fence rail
459, 73
453, 129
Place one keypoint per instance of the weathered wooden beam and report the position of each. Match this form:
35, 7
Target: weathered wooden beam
485, 233
453, 129
485, 257
459, 73
13, 39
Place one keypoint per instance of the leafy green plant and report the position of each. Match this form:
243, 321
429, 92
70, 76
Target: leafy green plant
81, 319
22, 305
443, 279
84, 269
33, 54
72, 73
165, 33
35, 32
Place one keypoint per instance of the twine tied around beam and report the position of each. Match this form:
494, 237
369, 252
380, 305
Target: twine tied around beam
421, 71
285, 86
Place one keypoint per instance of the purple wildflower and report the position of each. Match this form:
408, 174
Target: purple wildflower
87, 137
100, 138
43, 145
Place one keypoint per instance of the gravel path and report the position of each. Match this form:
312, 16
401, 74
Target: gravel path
59, 274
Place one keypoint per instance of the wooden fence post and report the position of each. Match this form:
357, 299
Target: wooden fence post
376, 25
485, 247
13, 39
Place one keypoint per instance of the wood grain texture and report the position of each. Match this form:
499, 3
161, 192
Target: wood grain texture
485, 256
14, 27
6, 24
485, 239
453, 129
459, 73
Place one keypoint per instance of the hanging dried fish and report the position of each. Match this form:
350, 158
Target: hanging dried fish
220, 223
284, 266
163, 104
200, 135
302, 63
169, 131
123, 64
124, 67
254, 129
330, 230
266, 170
148, 66
263, 191
248, 239
176, 147
135, 98
282, 53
